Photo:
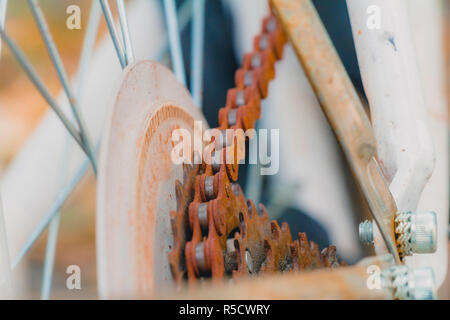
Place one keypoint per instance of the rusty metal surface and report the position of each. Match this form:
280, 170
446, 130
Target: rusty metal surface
348, 283
136, 187
342, 107
217, 232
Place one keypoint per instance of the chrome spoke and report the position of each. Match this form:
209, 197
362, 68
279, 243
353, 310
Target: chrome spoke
3, 6
184, 16
174, 40
112, 31
34, 77
88, 46
54, 209
129, 53
47, 275
197, 51
86, 55
62, 74
52, 216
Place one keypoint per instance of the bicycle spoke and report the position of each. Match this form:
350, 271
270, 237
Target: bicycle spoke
54, 209
112, 31
52, 214
3, 6
184, 16
34, 77
86, 54
198, 33
88, 46
129, 54
174, 40
49, 260
57, 62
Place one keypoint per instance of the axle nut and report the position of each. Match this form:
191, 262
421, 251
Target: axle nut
416, 232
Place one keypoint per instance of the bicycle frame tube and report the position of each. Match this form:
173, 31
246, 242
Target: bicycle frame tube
342, 107
427, 25
394, 86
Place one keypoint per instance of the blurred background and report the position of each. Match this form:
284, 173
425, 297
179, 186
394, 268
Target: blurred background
21, 108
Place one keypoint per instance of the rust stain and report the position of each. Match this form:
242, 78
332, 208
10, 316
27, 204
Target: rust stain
155, 168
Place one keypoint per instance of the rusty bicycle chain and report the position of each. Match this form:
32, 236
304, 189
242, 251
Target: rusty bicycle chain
230, 235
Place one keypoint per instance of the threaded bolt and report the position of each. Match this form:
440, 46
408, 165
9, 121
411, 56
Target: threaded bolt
416, 232
403, 283
366, 232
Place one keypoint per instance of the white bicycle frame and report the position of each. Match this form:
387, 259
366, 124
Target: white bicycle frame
405, 89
